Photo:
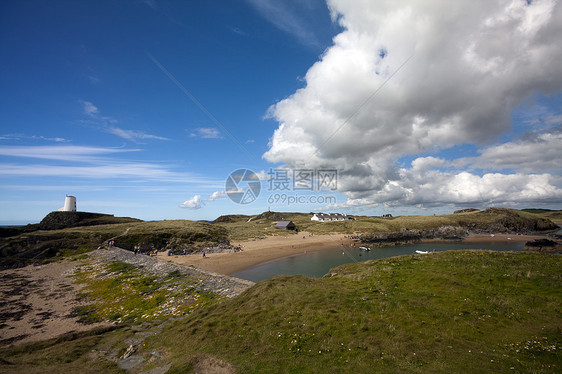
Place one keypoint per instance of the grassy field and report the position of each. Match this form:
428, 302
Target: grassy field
450, 312
487, 311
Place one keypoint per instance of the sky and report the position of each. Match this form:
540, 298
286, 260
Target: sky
162, 109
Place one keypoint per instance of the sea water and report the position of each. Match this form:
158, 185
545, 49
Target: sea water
316, 264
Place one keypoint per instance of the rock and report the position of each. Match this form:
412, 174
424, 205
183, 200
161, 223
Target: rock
468, 210
543, 245
129, 352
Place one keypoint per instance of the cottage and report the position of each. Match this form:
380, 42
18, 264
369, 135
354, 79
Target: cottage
322, 217
287, 225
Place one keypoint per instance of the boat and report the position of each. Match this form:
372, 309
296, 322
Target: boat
421, 252
365, 248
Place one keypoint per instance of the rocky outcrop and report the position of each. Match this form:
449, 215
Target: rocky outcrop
506, 220
543, 245
468, 210
205, 280
413, 236
63, 220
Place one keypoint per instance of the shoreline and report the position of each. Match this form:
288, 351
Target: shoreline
258, 251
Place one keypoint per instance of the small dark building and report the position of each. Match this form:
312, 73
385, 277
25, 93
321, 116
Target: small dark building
287, 225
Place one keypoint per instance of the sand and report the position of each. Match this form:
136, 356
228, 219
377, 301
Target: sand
37, 303
260, 250
274, 247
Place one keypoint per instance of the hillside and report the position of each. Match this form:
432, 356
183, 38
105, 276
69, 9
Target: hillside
442, 313
84, 233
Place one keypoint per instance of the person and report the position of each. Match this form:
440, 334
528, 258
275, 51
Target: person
203, 253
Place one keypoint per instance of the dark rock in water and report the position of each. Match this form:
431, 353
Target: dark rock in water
414, 236
543, 245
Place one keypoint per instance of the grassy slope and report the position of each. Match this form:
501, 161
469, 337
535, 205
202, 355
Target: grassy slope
441, 313
446, 312
70, 241
241, 229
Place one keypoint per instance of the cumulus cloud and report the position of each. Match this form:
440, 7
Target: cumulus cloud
217, 195
410, 77
532, 153
194, 203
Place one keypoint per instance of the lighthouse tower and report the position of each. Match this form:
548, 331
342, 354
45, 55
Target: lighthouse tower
69, 204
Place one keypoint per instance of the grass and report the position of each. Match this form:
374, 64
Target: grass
449, 312
46, 246
246, 227
69, 353
441, 313
122, 293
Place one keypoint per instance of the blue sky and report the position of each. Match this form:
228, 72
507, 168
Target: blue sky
144, 108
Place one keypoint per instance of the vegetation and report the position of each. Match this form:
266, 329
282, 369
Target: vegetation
122, 293
445, 312
46, 245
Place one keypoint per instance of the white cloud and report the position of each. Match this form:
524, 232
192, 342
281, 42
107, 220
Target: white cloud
288, 16
217, 195
90, 109
193, 203
534, 153
133, 134
93, 163
471, 63
206, 133
61, 152
107, 124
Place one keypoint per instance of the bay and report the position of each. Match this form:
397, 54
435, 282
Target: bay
316, 264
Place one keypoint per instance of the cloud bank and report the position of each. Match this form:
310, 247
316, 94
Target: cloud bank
411, 78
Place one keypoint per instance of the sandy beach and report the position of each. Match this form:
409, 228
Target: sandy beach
260, 250
274, 247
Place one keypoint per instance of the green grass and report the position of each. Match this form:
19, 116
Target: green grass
415, 314
120, 292
69, 353
449, 312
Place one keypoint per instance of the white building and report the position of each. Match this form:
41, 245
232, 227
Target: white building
323, 217
69, 204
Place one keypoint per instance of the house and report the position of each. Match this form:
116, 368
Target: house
287, 225
322, 217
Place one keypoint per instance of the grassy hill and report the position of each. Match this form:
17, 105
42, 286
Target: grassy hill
37, 246
489, 220
450, 312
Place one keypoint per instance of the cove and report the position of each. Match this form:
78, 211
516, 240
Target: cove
317, 264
